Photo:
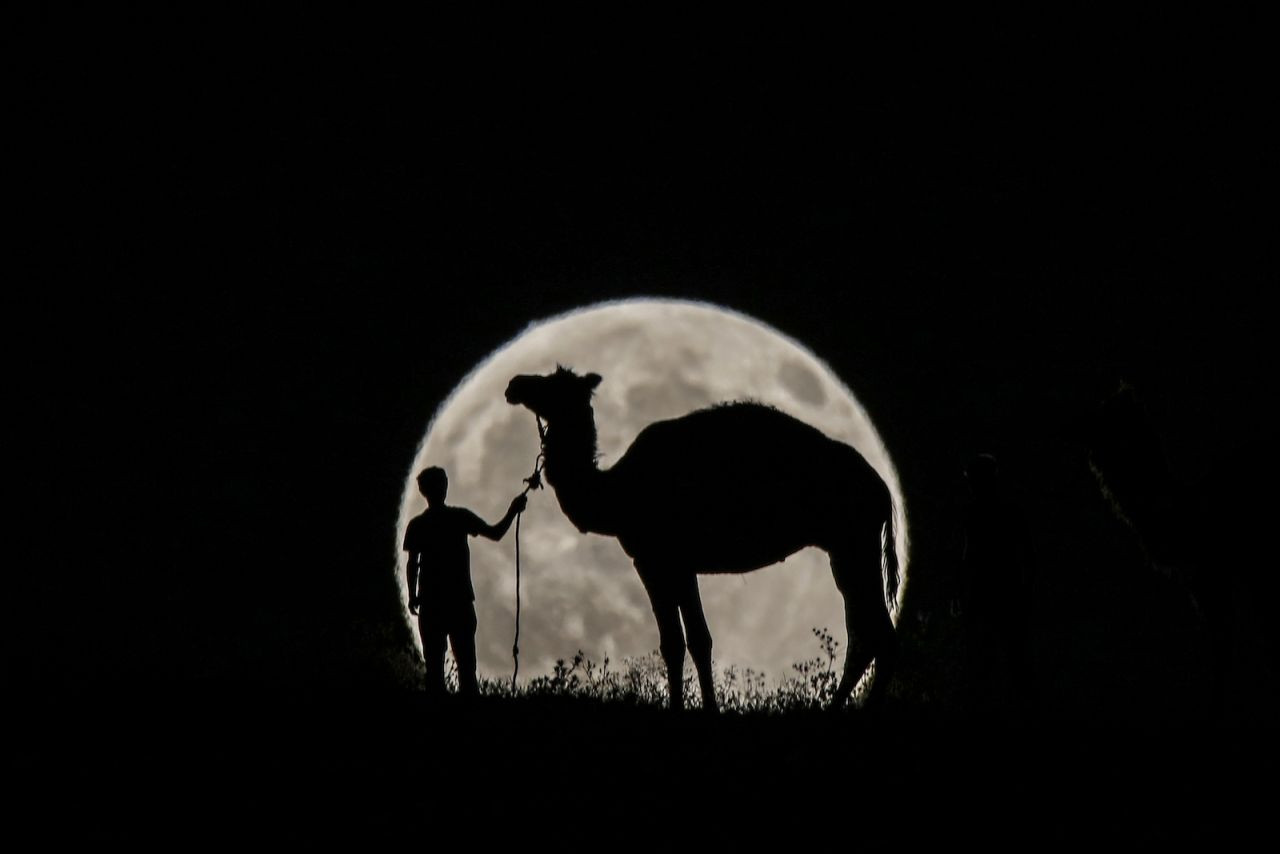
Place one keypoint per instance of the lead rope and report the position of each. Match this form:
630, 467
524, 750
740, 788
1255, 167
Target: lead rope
533, 481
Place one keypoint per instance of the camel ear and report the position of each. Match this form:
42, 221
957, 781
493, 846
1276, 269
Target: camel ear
592, 380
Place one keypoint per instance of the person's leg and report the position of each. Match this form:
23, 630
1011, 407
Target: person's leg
462, 635
434, 634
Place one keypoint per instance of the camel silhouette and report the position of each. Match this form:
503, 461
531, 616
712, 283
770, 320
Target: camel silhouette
729, 489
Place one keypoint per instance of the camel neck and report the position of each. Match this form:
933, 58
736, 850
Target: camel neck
571, 446
572, 470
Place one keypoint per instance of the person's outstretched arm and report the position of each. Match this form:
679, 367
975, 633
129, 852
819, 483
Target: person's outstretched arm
498, 531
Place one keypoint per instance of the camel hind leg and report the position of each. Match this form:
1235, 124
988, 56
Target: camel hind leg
871, 636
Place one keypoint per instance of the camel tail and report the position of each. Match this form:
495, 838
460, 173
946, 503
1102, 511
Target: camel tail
890, 556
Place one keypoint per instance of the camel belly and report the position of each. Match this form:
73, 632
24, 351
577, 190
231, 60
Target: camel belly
710, 541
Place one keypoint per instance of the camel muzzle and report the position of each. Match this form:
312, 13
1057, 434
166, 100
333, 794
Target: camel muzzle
517, 390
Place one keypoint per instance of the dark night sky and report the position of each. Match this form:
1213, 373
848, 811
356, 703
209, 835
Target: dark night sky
286, 248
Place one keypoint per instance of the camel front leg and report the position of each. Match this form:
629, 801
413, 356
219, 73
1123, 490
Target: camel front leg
670, 636
699, 637
671, 642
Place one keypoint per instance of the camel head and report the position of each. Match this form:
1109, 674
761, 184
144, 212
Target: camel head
553, 395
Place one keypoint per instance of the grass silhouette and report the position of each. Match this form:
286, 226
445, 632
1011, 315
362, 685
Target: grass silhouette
641, 682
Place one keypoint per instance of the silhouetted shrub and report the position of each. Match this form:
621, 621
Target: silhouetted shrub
642, 681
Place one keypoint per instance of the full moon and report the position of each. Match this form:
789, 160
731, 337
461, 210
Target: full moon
659, 359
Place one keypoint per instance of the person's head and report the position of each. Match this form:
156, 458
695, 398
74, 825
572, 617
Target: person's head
433, 483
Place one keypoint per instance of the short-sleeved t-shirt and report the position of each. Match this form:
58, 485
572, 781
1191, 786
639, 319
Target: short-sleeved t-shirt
440, 535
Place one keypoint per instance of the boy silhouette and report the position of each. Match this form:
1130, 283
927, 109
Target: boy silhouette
439, 571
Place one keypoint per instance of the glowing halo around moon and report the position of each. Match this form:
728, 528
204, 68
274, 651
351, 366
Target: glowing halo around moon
659, 359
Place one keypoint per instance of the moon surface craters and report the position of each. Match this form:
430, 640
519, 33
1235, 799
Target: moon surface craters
659, 360
802, 383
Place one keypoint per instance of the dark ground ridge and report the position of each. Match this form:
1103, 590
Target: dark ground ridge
385, 766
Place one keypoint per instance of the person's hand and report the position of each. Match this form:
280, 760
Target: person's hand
413, 606
519, 503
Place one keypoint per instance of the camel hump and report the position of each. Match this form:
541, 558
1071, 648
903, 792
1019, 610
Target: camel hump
748, 445
733, 428
741, 486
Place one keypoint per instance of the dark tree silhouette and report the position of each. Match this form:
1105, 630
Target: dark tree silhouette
997, 567
724, 490
1184, 528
